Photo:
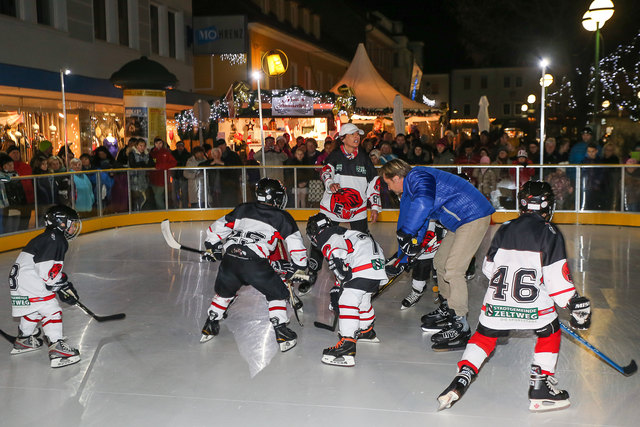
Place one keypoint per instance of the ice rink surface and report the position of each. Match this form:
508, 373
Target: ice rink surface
151, 370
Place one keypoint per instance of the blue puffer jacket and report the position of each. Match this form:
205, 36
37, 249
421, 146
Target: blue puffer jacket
429, 193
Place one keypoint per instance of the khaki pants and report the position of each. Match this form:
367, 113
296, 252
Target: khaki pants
452, 259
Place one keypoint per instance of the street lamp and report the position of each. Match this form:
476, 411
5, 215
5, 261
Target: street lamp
66, 72
599, 12
545, 81
531, 99
257, 76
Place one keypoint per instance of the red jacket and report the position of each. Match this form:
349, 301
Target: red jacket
163, 160
23, 169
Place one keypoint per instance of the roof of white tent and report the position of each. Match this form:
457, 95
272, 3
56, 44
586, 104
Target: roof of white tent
371, 90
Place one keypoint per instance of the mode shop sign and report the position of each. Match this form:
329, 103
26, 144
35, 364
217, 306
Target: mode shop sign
219, 34
294, 103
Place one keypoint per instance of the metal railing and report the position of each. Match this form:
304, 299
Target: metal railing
578, 188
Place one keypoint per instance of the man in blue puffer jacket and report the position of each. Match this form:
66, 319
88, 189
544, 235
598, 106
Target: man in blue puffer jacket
429, 193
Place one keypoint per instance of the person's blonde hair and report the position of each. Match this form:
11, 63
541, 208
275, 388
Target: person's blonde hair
395, 167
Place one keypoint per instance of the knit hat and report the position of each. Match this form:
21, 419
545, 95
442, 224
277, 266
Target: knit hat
44, 145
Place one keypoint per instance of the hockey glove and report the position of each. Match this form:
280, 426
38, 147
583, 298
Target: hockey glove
395, 270
62, 281
334, 297
580, 312
341, 271
283, 268
68, 294
213, 252
408, 244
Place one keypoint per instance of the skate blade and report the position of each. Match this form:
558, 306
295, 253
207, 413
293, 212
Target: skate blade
543, 405
287, 345
24, 350
370, 340
205, 338
346, 361
431, 329
62, 362
446, 400
447, 347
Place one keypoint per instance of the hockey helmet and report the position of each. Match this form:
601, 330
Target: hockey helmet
315, 225
271, 192
64, 219
464, 176
537, 197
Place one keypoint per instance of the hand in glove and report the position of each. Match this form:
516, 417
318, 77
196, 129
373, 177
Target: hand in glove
341, 271
68, 294
580, 312
283, 268
213, 252
395, 270
334, 296
408, 244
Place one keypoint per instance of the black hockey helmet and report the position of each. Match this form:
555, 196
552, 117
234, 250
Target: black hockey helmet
271, 192
537, 197
315, 225
64, 219
464, 176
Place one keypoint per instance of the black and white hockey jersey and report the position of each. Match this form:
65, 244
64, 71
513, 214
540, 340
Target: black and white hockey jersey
38, 265
359, 183
252, 230
357, 250
528, 272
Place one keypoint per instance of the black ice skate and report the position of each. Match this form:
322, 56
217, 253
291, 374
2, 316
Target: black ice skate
367, 335
211, 328
411, 299
453, 338
457, 388
285, 337
471, 270
62, 354
24, 344
438, 319
305, 287
342, 354
543, 394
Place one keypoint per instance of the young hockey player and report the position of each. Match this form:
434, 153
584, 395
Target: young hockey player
350, 182
248, 235
358, 263
422, 265
528, 272
35, 279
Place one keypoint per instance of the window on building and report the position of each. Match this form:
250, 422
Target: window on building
8, 7
518, 81
294, 74
507, 82
506, 109
466, 109
466, 83
265, 5
483, 82
172, 33
99, 20
155, 29
435, 88
293, 14
123, 22
319, 80
43, 12
308, 84
306, 21
329, 81
280, 10
316, 26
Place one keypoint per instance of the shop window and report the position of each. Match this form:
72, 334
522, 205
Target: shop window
506, 109
155, 29
123, 22
99, 20
44, 12
466, 83
466, 110
483, 82
507, 82
8, 7
172, 34
518, 81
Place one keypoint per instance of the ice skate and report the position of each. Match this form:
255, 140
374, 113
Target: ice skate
62, 354
411, 299
285, 337
453, 338
471, 270
211, 328
342, 354
367, 335
305, 287
435, 320
26, 344
457, 388
543, 394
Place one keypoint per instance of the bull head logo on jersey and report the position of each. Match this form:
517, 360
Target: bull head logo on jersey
344, 202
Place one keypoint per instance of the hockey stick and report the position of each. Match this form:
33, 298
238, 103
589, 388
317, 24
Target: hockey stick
8, 337
84, 308
331, 327
628, 370
165, 226
395, 264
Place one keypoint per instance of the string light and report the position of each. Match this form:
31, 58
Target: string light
234, 58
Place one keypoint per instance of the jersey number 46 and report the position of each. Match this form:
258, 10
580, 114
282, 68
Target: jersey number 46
523, 288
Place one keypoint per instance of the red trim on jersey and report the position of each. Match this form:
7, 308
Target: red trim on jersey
275, 236
223, 308
265, 255
278, 308
349, 246
361, 267
41, 299
55, 269
230, 224
562, 292
550, 344
487, 344
546, 311
210, 229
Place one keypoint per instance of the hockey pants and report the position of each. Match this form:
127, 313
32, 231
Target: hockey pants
50, 314
356, 311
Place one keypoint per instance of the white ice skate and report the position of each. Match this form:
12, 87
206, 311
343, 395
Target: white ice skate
26, 344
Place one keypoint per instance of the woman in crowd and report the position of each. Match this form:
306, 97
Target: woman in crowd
83, 189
